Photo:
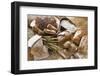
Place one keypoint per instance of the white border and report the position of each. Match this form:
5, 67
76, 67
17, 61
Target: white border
26, 65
